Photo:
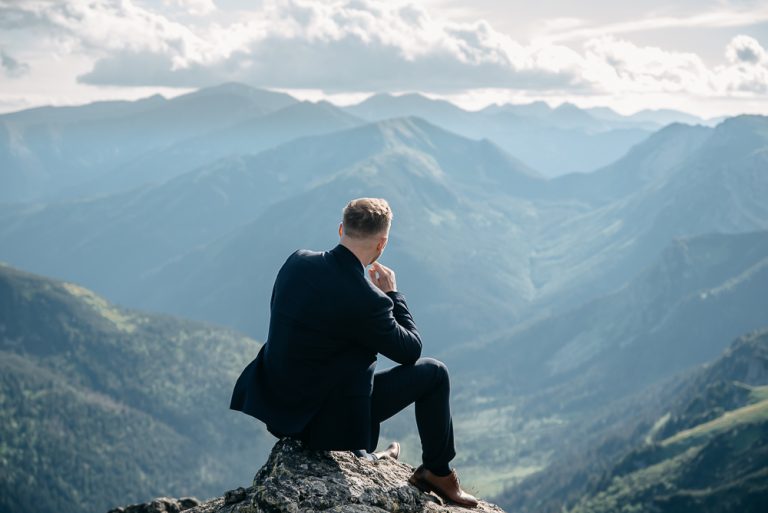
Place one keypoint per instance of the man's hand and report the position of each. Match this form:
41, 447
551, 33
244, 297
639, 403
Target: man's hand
383, 277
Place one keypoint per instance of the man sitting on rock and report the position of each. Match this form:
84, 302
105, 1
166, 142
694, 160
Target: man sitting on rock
314, 377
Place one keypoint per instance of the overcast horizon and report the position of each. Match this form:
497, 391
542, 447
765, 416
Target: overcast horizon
703, 57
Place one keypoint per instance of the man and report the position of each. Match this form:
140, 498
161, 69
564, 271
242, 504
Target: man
314, 377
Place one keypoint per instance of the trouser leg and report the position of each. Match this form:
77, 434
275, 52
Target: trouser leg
425, 383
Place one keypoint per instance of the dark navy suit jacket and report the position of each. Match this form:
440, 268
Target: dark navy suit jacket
314, 375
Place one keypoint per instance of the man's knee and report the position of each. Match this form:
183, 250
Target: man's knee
438, 367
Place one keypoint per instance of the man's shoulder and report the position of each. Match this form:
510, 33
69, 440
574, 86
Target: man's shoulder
304, 255
304, 261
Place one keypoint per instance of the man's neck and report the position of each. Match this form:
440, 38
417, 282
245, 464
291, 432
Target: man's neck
357, 251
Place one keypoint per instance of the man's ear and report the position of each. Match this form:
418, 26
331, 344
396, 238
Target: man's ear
341, 231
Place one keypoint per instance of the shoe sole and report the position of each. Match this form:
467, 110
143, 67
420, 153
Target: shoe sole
426, 487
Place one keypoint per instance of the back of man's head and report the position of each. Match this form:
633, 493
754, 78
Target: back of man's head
366, 217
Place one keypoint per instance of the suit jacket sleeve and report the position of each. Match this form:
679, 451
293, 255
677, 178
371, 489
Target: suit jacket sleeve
390, 330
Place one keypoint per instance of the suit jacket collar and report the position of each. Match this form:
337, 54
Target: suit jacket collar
347, 258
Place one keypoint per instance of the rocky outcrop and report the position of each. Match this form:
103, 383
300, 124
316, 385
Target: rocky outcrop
298, 480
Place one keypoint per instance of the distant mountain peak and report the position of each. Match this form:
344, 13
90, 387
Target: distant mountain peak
306, 111
383, 105
742, 134
229, 87
665, 116
389, 97
568, 106
744, 121
244, 91
408, 129
673, 129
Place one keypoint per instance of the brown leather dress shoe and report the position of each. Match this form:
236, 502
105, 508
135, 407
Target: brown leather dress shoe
446, 487
393, 451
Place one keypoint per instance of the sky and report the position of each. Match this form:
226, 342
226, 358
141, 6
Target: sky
706, 57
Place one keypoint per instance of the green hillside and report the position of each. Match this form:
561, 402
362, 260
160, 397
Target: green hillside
721, 465
697, 442
101, 405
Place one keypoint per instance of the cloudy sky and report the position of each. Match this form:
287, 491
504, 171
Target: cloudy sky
707, 57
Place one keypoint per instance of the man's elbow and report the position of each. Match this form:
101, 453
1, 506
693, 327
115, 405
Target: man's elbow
415, 352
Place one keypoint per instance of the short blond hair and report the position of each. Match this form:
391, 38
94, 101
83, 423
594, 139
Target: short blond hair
365, 217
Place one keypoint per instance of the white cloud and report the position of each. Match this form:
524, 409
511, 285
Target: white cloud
369, 45
193, 7
619, 65
747, 71
745, 49
355, 44
730, 17
352, 45
101, 27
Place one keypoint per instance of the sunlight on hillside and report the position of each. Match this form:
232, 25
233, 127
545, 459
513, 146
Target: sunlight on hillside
102, 307
752, 413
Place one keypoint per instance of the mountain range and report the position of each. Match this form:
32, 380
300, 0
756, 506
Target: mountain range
573, 309
538, 245
53, 152
50, 153
555, 141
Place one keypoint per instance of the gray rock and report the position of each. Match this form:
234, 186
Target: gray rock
159, 505
298, 480
236, 495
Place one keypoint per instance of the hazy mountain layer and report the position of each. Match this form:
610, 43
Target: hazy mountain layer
52, 152
243, 137
718, 187
555, 141
676, 313
106, 147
